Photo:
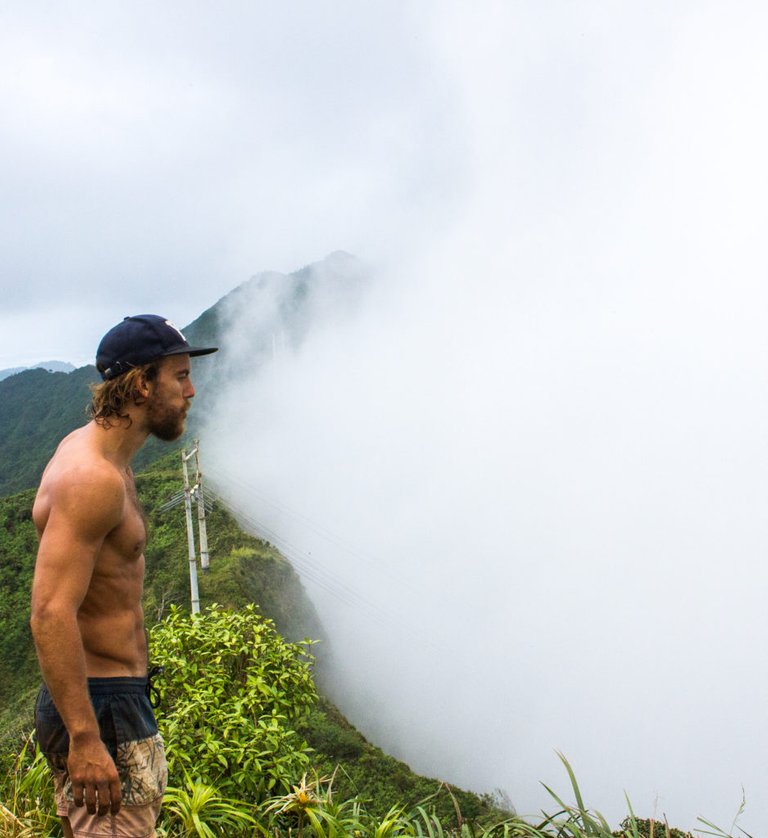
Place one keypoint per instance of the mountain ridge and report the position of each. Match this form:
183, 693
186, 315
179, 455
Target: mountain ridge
38, 408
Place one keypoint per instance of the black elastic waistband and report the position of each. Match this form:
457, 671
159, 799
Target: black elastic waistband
112, 686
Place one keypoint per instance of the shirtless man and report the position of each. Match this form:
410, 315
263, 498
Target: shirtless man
93, 718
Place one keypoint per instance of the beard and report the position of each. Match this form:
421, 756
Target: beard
165, 422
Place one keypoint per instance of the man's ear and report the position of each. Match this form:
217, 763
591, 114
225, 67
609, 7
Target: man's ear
143, 386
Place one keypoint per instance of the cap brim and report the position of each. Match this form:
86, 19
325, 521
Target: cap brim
198, 350
192, 351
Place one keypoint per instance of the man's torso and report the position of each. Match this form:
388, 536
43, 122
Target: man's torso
110, 616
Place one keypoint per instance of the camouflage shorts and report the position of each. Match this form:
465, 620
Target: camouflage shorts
128, 729
141, 765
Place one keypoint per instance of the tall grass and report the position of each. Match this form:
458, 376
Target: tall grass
310, 810
26, 797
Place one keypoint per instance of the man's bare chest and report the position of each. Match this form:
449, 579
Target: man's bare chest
127, 540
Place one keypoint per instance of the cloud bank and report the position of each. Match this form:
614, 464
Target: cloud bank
537, 455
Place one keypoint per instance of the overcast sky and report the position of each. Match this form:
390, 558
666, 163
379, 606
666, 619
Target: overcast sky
154, 156
559, 381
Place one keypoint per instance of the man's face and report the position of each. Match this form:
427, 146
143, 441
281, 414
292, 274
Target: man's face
169, 398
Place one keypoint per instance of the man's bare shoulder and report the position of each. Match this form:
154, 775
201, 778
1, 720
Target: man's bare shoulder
79, 461
80, 481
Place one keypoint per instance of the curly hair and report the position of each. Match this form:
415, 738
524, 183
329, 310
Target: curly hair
109, 398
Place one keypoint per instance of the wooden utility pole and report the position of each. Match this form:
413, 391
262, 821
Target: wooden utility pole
200, 498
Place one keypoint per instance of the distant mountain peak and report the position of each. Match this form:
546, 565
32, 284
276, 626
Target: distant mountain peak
50, 366
53, 366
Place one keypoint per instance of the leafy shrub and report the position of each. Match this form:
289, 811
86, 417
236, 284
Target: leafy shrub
230, 695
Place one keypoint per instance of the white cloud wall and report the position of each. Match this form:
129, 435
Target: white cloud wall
545, 435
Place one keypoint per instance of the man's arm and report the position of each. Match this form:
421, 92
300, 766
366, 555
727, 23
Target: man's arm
85, 506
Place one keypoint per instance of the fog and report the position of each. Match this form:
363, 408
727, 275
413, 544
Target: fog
536, 453
551, 519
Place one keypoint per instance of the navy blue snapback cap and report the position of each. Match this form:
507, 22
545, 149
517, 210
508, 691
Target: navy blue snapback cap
139, 340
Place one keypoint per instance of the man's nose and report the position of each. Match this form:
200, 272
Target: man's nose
189, 393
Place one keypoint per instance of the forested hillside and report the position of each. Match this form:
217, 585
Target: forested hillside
37, 408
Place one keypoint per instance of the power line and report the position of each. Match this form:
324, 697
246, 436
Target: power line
300, 559
375, 564
309, 569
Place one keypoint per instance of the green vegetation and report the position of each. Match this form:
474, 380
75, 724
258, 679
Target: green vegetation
18, 543
230, 694
363, 771
38, 409
312, 808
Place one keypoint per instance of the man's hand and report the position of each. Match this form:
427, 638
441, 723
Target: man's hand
94, 778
